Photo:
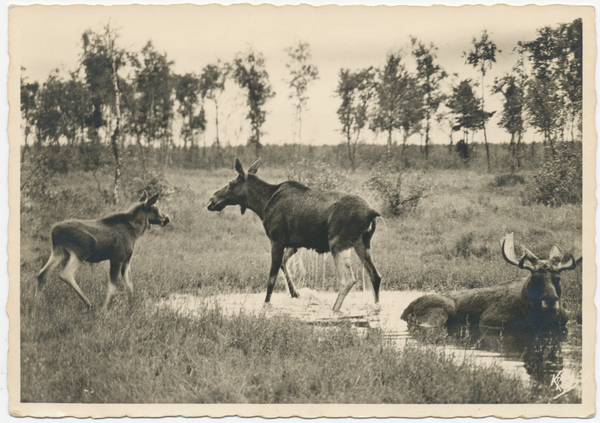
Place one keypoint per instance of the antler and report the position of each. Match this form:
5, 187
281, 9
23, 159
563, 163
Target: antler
508, 252
254, 167
557, 257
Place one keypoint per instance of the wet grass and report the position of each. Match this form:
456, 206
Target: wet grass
159, 357
146, 355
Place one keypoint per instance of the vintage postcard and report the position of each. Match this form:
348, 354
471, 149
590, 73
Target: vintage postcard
276, 211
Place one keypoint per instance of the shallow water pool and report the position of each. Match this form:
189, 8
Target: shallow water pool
553, 361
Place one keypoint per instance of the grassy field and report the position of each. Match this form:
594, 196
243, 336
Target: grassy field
148, 355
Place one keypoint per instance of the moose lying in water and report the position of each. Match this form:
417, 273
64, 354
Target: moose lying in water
530, 305
295, 216
111, 238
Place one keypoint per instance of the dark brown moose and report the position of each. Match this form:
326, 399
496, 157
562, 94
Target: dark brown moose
295, 216
521, 307
111, 238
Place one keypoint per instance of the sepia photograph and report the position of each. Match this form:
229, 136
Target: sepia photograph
301, 211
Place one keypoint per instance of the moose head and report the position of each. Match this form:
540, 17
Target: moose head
236, 192
542, 288
152, 213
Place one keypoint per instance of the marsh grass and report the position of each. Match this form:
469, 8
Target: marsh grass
153, 356
147, 355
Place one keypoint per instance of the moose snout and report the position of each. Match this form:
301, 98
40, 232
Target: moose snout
167, 220
214, 206
551, 304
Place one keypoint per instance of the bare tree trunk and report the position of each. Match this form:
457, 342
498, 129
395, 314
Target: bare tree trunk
257, 146
519, 147
25, 147
115, 136
217, 122
389, 146
352, 149
427, 137
300, 125
143, 154
485, 140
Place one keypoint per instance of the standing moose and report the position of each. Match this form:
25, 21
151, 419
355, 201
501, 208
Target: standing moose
521, 307
111, 238
295, 216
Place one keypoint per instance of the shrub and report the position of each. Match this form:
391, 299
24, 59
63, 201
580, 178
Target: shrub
560, 179
468, 245
153, 183
463, 149
315, 174
398, 197
41, 166
93, 156
508, 180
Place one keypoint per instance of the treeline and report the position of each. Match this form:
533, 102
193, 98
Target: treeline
132, 102
543, 91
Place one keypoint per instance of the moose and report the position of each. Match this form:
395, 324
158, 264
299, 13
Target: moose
522, 307
111, 238
295, 216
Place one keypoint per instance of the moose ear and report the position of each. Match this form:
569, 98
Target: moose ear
152, 200
254, 168
569, 264
238, 166
555, 255
240, 169
144, 196
529, 260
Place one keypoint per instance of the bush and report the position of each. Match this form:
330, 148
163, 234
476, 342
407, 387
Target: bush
508, 180
154, 183
398, 197
560, 179
467, 245
93, 156
315, 174
463, 149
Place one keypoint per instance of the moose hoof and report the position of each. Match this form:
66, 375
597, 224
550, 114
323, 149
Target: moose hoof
336, 311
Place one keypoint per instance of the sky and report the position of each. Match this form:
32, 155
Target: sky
339, 37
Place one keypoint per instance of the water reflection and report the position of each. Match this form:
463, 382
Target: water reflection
543, 355
539, 357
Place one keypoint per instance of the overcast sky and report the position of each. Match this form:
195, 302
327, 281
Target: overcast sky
339, 37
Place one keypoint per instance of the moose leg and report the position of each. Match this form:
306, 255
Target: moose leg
342, 265
364, 253
126, 274
68, 276
115, 271
276, 259
57, 256
287, 254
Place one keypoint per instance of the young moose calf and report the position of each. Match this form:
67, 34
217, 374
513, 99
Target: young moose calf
111, 238
521, 307
295, 216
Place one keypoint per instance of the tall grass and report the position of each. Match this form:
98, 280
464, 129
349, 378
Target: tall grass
154, 356
451, 240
